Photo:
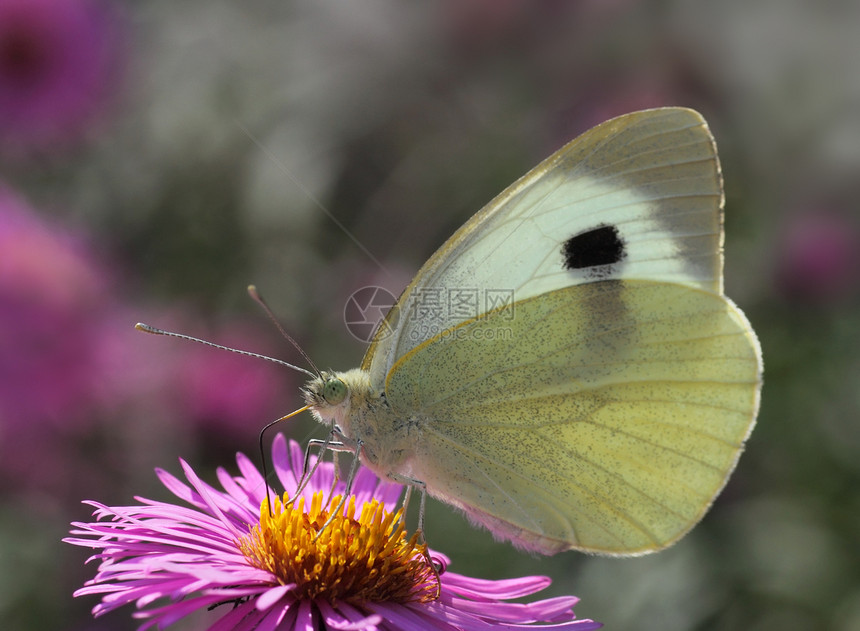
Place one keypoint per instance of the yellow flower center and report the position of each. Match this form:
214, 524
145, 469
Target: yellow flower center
364, 559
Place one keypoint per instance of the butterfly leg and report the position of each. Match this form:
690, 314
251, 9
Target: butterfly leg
325, 445
412, 483
336, 447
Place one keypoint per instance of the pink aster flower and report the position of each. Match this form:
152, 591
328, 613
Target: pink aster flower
58, 59
275, 571
820, 258
51, 289
54, 291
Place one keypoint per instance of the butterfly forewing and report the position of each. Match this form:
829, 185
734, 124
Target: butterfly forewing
652, 177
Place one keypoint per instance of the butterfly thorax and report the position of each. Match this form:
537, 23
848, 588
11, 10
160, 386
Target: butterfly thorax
359, 414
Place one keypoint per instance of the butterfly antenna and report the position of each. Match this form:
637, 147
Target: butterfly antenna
140, 326
255, 295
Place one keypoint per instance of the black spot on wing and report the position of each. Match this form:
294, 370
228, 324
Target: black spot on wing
596, 247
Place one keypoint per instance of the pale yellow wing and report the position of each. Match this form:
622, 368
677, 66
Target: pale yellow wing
650, 177
604, 417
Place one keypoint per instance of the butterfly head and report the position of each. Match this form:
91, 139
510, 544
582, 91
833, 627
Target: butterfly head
327, 390
331, 396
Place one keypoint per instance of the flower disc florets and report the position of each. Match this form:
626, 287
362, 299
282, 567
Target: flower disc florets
336, 556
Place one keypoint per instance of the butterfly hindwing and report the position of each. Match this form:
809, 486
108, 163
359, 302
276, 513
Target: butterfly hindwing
613, 439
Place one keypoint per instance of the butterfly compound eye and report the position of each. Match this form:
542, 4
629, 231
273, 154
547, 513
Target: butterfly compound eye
334, 391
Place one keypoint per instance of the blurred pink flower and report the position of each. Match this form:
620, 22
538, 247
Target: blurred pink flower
58, 63
53, 293
74, 372
225, 392
475, 25
820, 257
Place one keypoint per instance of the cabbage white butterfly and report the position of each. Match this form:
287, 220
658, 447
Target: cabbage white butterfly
600, 400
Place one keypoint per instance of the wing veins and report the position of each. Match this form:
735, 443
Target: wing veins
657, 470
615, 172
645, 152
575, 454
604, 191
552, 424
546, 492
677, 452
566, 348
518, 218
598, 146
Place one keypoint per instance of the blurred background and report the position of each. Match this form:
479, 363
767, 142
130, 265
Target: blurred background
157, 157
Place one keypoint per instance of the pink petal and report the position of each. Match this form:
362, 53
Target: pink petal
273, 595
